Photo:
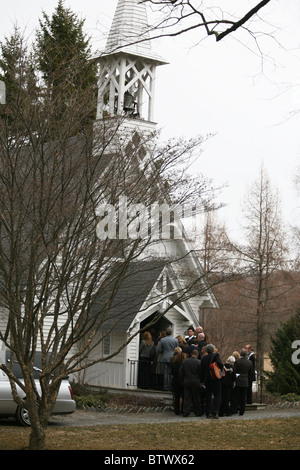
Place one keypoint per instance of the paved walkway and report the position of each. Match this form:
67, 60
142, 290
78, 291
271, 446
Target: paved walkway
88, 418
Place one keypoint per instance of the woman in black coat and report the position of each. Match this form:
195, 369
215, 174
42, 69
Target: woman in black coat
228, 384
177, 385
212, 387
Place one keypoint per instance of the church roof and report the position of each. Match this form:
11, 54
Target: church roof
129, 25
131, 294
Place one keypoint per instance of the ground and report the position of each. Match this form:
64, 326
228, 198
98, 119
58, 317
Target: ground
161, 432
134, 423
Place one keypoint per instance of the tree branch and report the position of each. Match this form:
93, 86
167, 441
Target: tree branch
243, 20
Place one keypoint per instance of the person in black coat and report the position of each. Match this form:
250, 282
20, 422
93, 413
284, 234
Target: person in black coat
251, 377
201, 343
146, 352
177, 385
191, 335
228, 384
242, 368
212, 386
193, 344
189, 375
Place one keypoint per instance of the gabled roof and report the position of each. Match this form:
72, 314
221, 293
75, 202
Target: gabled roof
130, 24
130, 295
141, 287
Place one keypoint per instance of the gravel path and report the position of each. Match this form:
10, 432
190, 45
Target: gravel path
91, 418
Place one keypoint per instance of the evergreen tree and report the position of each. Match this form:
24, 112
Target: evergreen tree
17, 72
64, 59
286, 376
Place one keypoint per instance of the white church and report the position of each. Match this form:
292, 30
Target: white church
126, 93
127, 88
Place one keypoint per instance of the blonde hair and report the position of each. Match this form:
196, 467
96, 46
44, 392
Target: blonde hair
181, 340
236, 355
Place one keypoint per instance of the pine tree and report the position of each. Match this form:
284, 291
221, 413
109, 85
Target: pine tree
17, 72
64, 59
286, 376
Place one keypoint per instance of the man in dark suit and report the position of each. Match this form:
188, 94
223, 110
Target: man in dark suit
251, 377
212, 386
242, 367
190, 335
189, 375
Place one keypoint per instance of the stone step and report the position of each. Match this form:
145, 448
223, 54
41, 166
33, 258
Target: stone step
255, 406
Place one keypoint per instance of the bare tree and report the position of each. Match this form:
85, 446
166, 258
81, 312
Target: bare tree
181, 16
234, 324
264, 254
254, 284
221, 263
215, 248
62, 257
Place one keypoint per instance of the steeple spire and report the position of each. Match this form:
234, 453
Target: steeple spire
128, 65
130, 30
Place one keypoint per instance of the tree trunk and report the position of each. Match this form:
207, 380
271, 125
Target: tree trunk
260, 328
38, 415
37, 437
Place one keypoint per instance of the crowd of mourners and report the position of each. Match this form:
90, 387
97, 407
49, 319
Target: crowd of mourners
184, 366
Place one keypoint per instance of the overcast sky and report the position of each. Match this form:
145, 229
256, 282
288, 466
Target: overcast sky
222, 88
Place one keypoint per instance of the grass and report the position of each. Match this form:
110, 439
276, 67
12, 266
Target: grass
267, 434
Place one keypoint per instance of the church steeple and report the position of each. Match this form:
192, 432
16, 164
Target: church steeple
128, 65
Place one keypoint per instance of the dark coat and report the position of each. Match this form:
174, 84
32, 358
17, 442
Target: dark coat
189, 372
251, 358
175, 366
205, 366
242, 367
188, 350
201, 343
229, 378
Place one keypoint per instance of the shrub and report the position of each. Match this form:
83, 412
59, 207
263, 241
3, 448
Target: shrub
286, 376
84, 397
91, 400
292, 397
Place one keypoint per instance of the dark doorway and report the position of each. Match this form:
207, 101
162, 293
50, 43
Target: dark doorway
153, 368
160, 325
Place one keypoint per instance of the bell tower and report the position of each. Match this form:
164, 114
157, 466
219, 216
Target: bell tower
126, 84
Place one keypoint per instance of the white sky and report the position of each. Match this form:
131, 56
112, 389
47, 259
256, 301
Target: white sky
221, 88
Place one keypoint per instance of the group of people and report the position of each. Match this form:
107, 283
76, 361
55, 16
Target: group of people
185, 363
